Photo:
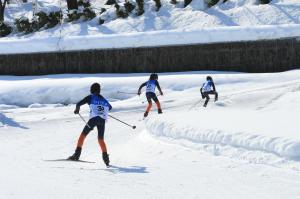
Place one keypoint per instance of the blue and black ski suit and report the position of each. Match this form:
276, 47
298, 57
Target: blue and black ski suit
208, 88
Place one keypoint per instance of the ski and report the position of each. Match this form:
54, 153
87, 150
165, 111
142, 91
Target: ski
67, 160
140, 120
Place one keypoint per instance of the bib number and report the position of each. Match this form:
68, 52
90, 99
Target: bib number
100, 109
150, 88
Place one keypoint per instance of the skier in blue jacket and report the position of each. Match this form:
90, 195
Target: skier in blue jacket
99, 108
151, 84
208, 88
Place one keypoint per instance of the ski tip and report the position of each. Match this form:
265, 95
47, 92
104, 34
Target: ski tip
67, 160
134, 127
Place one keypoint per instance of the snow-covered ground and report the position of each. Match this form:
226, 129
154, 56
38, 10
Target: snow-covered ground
246, 145
235, 20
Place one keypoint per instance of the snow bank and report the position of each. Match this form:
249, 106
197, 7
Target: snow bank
37, 92
5, 107
197, 5
226, 128
69, 89
146, 39
37, 105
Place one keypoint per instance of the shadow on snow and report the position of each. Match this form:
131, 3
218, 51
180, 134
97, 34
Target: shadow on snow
9, 122
133, 169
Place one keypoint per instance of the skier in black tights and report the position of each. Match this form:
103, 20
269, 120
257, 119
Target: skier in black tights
208, 88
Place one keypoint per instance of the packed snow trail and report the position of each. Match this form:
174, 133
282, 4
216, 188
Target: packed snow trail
147, 163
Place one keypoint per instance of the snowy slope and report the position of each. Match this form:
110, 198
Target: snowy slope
235, 20
228, 128
244, 146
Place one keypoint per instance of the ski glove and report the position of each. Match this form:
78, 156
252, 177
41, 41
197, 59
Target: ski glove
76, 111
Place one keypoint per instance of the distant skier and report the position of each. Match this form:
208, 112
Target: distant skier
99, 108
208, 88
151, 84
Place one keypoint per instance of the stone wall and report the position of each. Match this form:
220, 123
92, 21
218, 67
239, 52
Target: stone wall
252, 56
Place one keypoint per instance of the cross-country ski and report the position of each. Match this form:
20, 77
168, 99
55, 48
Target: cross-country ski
69, 160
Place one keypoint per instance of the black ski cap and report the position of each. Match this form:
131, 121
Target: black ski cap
209, 78
95, 88
153, 76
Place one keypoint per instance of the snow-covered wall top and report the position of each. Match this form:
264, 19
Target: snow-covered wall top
146, 39
235, 20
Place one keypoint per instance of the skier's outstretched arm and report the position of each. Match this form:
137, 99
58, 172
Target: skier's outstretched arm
142, 85
158, 87
81, 102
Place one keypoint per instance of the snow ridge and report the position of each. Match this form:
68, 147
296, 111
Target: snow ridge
282, 146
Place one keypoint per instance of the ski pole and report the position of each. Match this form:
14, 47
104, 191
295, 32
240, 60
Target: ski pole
127, 93
84, 120
194, 105
132, 126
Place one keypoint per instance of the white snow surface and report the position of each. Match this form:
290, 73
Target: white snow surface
246, 145
205, 128
235, 20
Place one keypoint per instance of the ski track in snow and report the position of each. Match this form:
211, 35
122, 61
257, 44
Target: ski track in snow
185, 152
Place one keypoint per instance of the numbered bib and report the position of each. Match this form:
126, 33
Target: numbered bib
150, 86
99, 107
207, 86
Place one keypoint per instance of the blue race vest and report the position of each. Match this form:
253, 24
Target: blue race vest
150, 86
99, 107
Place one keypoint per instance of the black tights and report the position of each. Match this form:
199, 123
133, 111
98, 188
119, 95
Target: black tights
206, 96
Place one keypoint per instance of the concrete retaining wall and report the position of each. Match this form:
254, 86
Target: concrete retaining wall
253, 56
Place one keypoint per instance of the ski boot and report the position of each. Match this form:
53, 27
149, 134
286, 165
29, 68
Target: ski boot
105, 158
146, 114
76, 155
159, 111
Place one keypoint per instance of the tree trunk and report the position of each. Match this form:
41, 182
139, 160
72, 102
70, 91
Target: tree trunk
2, 8
1, 14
